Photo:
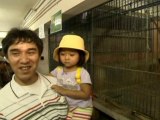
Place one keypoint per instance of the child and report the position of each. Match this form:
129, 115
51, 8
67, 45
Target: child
74, 80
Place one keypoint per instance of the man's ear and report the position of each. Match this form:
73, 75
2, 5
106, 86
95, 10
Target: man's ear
6, 59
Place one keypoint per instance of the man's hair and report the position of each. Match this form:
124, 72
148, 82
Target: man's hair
25, 35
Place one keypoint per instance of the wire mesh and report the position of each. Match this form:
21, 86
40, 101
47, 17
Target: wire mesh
126, 54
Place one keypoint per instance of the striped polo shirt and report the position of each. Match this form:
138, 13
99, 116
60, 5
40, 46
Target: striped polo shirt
18, 104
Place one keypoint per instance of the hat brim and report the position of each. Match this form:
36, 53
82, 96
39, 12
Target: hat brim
56, 58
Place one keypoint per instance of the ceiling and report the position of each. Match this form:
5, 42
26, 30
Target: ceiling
13, 12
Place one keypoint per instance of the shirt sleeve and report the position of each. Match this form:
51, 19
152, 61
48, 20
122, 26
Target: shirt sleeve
54, 72
85, 76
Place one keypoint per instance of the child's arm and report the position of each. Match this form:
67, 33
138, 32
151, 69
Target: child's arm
84, 93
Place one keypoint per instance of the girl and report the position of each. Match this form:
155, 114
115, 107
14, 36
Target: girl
74, 80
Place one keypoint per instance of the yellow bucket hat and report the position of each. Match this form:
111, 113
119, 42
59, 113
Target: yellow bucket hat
73, 42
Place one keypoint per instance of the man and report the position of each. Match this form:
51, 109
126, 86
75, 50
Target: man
28, 95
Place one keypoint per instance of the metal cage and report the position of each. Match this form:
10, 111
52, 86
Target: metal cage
123, 38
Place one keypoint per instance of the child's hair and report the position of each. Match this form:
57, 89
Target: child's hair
81, 57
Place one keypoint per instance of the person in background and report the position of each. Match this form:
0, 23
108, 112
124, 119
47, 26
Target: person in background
74, 80
28, 96
5, 72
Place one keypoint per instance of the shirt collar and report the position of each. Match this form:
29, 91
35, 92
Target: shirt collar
19, 91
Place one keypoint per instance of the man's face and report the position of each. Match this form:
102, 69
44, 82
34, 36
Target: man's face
23, 59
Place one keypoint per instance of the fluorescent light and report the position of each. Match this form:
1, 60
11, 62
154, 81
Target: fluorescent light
3, 34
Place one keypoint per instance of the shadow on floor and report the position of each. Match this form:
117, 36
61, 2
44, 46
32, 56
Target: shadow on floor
98, 115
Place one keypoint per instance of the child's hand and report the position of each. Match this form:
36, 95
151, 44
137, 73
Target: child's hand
59, 89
